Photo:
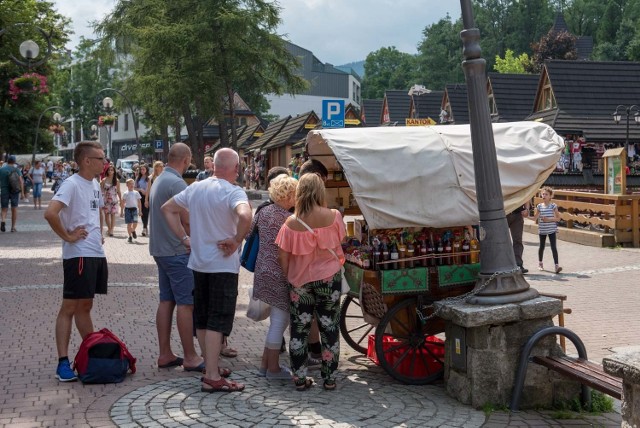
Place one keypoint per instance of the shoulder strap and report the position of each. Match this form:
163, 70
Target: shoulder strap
311, 230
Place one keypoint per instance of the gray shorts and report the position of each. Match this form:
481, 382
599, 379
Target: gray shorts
176, 279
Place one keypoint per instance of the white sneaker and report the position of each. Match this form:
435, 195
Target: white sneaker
283, 374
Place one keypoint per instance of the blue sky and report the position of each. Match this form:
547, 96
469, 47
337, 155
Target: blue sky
336, 31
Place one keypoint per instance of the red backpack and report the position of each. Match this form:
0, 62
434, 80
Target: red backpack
103, 358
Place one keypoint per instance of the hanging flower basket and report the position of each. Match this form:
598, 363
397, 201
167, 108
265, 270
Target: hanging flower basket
107, 120
57, 128
29, 83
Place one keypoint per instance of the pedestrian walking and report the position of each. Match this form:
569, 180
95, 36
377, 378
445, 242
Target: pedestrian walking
74, 215
132, 206
59, 175
141, 185
208, 169
26, 182
110, 187
8, 195
311, 255
171, 255
515, 220
49, 171
158, 168
219, 218
37, 177
548, 217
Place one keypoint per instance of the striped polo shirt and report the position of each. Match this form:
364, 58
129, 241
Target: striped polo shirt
547, 228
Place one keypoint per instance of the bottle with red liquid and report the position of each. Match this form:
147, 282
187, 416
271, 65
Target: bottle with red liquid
384, 253
439, 250
423, 252
448, 249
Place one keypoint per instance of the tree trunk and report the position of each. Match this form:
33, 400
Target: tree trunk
190, 123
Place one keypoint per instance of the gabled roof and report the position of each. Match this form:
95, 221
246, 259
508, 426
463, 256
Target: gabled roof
456, 96
294, 130
426, 105
514, 95
246, 135
371, 112
352, 116
586, 94
395, 106
272, 130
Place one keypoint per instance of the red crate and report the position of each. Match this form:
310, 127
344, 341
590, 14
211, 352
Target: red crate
435, 345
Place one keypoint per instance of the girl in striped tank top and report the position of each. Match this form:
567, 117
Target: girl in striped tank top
547, 215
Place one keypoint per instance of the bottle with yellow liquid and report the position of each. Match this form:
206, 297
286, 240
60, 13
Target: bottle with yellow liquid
474, 246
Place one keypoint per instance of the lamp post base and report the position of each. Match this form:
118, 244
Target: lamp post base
504, 288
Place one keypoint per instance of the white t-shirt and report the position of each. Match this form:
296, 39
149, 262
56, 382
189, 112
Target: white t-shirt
212, 204
50, 166
82, 199
131, 198
37, 174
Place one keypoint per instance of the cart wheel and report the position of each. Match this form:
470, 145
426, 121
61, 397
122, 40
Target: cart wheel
355, 330
406, 348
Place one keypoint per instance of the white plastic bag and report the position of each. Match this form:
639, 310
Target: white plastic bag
345, 284
257, 309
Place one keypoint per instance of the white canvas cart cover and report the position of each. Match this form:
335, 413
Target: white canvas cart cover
423, 176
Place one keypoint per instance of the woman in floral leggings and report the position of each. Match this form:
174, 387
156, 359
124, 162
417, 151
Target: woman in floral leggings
310, 254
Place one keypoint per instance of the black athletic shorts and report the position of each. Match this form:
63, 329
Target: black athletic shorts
84, 277
214, 300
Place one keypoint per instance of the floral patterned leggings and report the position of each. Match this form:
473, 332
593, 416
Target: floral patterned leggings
322, 299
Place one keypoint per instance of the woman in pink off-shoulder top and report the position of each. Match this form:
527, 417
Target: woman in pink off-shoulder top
313, 272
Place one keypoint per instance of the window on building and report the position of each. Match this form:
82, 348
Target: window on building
493, 109
126, 122
115, 125
547, 98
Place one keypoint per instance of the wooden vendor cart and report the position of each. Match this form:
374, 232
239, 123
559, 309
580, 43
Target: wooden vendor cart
417, 183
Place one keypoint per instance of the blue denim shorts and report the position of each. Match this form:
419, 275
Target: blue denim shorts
130, 215
37, 190
7, 197
176, 279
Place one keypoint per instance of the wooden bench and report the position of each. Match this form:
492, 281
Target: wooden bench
580, 369
562, 298
585, 372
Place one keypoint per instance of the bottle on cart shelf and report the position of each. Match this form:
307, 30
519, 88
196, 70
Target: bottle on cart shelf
466, 246
402, 253
411, 252
376, 253
439, 251
424, 251
457, 247
474, 246
384, 254
394, 255
432, 251
448, 250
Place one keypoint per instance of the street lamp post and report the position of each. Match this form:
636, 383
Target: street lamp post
107, 103
133, 116
35, 141
617, 115
30, 50
500, 280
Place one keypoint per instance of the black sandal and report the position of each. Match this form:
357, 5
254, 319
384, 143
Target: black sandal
306, 384
329, 385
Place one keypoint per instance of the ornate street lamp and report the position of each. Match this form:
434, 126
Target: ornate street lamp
500, 280
133, 115
30, 50
35, 141
107, 103
635, 110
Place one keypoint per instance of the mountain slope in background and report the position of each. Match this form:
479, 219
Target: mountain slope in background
357, 66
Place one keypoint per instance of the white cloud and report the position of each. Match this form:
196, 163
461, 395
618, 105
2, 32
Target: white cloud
336, 31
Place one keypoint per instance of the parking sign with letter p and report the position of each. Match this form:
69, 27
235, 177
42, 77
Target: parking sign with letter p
333, 113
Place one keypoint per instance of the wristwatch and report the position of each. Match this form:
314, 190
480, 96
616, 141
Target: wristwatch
185, 237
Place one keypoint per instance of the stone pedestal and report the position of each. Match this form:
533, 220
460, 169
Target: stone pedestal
483, 344
625, 363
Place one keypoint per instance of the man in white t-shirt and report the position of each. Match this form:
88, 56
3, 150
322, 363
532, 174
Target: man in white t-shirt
74, 215
219, 217
49, 171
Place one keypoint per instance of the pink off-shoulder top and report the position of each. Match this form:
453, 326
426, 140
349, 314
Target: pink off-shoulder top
310, 258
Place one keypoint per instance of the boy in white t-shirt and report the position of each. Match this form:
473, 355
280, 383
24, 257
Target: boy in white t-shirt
132, 206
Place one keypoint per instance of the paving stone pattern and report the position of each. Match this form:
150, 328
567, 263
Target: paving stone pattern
600, 285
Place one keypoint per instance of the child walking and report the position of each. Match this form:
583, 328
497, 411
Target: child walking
132, 206
548, 216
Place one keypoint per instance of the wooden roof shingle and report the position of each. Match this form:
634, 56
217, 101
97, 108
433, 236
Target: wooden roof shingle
397, 103
427, 105
371, 113
293, 131
514, 95
272, 130
457, 96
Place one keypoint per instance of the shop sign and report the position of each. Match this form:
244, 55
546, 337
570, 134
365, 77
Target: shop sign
419, 122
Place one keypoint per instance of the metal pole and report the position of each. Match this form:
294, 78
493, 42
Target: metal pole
500, 280
35, 141
133, 116
626, 140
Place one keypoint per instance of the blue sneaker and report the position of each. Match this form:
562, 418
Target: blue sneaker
64, 373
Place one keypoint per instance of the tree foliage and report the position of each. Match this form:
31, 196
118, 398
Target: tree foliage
387, 68
21, 20
440, 54
186, 59
512, 64
554, 45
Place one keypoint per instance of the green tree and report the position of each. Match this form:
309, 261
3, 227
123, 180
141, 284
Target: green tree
186, 59
512, 64
554, 45
440, 54
18, 118
387, 68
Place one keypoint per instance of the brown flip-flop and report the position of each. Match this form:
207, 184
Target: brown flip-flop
222, 385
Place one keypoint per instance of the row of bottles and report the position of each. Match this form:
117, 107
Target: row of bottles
456, 247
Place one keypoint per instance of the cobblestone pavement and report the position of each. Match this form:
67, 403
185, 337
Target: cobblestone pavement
600, 285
